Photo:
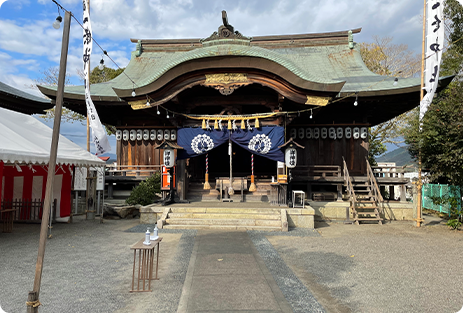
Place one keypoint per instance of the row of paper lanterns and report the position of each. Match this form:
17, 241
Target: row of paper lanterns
329, 132
145, 134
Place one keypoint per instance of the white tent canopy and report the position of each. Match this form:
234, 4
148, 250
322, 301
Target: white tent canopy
23, 139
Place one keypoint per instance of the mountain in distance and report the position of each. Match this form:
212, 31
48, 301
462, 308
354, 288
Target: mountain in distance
400, 156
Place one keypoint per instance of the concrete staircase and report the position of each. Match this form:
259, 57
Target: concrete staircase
224, 218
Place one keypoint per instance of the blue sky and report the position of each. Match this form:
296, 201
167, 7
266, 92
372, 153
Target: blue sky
29, 44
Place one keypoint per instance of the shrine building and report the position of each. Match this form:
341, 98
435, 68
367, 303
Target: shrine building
235, 103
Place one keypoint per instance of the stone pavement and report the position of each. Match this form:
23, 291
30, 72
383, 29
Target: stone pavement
227, 274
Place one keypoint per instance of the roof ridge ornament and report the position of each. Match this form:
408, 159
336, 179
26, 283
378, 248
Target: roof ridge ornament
226, 31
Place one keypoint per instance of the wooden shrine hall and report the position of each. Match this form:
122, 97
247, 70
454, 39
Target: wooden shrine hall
234, 102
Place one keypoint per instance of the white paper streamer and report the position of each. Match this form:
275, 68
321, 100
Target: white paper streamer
98, 133
434, 45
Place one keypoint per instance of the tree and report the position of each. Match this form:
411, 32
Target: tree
440, 140
385, 58
50, 78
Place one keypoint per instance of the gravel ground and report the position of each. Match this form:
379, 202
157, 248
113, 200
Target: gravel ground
297, 295
345, 268
88, 268
395, 267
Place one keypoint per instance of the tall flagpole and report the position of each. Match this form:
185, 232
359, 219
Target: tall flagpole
420, 182
88, 77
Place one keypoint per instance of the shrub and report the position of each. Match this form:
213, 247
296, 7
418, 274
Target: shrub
145, 192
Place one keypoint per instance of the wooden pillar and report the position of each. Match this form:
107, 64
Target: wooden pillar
2, 165
339, 192
403, 193
391, 193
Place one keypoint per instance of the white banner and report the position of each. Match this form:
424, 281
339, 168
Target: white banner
98, 133
434, 45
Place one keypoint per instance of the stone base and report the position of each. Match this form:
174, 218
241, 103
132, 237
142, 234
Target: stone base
303, 218
392, 210
150, 214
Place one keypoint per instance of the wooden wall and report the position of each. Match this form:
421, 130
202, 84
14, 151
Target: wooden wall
331, 149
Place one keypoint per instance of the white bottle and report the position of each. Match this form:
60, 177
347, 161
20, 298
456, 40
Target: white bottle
155, 233
147, 237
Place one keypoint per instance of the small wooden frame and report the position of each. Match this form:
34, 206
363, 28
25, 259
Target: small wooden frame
145, 264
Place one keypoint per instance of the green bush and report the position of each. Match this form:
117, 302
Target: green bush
145, 192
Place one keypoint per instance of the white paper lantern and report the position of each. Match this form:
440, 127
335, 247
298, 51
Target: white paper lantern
168, 157
133, 134
146, 134
356, 134
293, 133
153, 134
301, 133
364, 133
348, 132
159, 134
316, 133
339, 133
291, 157
308, 133
139, 134
166, 134
332, 132
324, 133
118, 134
173, 134
125, 135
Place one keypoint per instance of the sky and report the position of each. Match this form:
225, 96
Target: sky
29, 44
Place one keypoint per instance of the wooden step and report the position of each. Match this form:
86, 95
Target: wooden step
231, 222
224, 227
215, 216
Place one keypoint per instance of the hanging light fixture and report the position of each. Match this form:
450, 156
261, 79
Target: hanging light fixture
157, 108
147, 101
167, 114
396, 82
311, 115
57, 22
101, 66
356, 100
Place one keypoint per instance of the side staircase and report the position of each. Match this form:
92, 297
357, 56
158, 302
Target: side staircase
365, 197
224, 218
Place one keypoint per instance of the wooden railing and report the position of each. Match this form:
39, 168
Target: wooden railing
349, 188
389, 171
321, 171
132, 170
374, 185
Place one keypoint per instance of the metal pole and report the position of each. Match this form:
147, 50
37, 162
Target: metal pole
33, 298
420, 183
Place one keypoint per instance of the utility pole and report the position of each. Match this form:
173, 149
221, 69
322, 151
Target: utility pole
33, 302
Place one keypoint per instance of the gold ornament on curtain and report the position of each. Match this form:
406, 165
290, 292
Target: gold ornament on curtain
257, 123
229, 125
216, 125
243, 126
204, 124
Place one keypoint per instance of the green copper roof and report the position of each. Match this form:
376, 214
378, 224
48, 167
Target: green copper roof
320, 64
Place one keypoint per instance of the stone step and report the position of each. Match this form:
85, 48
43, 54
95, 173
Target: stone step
224, 227
225, 210
224, 216
232, 222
